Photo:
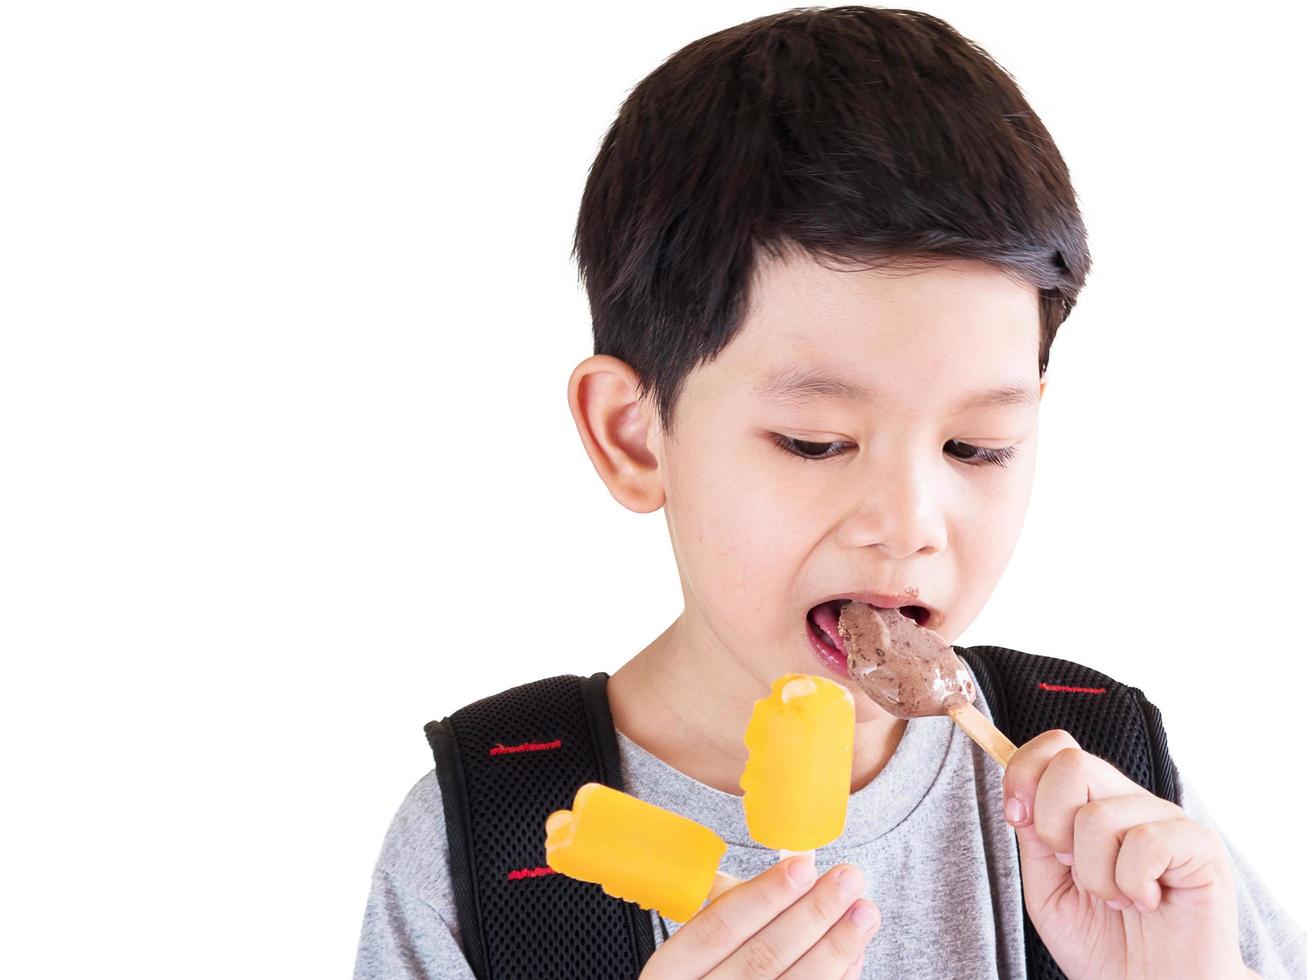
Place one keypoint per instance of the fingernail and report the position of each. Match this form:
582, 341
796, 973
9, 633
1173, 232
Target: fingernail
1064, 858
1139, 906
849, 880
862, 915
1117, 904
1014, 810
802, 872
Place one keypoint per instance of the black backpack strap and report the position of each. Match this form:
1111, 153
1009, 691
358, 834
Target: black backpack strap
1028, 694
504, 764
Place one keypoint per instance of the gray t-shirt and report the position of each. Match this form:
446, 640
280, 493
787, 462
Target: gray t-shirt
927, 832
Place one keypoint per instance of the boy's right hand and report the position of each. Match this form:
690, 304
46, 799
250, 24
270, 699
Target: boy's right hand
784, 921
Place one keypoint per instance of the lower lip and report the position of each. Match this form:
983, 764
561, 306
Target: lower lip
830, 658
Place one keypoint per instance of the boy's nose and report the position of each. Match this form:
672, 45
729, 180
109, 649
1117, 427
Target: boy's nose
903, 515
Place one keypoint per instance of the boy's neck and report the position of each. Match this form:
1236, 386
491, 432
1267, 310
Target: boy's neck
691, 712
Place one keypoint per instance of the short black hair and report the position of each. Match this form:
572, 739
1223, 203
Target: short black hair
853, 133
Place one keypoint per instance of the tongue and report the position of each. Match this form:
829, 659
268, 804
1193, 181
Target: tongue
827, 618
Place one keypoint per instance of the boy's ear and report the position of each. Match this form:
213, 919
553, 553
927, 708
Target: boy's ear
619, 431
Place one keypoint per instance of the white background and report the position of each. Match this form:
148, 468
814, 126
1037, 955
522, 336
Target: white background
288, 317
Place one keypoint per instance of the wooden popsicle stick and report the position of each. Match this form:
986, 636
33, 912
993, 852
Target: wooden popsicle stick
721, 882
785, 854
983, 732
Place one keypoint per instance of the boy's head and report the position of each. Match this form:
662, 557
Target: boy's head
814, 234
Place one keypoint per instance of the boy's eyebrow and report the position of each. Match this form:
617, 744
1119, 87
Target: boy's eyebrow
800, 385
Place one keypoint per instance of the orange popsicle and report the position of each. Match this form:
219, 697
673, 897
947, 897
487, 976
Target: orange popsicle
796, 782
637, 851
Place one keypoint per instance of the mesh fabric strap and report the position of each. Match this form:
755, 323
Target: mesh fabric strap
504, 764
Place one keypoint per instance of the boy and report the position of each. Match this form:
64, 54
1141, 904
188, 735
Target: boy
827, 252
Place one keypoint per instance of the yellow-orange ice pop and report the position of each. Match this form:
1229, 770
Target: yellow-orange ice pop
637, 851
796, 782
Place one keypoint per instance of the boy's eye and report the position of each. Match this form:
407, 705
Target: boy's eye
807, 450
987, 457
824, 450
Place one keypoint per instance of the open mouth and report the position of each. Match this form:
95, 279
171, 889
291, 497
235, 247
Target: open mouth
824, 619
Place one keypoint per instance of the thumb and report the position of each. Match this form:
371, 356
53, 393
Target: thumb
1042, 873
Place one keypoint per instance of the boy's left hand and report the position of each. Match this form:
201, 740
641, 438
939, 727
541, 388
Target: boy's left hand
1125, 845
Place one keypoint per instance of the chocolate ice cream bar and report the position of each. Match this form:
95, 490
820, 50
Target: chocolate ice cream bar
906, 669
912, 673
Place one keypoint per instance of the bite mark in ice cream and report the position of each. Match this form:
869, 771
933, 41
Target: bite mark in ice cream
906, 669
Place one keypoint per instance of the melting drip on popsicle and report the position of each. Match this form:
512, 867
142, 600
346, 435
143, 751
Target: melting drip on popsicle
906, 669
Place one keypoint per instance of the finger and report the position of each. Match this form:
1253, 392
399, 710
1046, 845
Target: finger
842, 948
1180, 854
1026, 768
1071, 779
1100, 827
780, 943
855, 971
721, 926
1021, 776
1042, 873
